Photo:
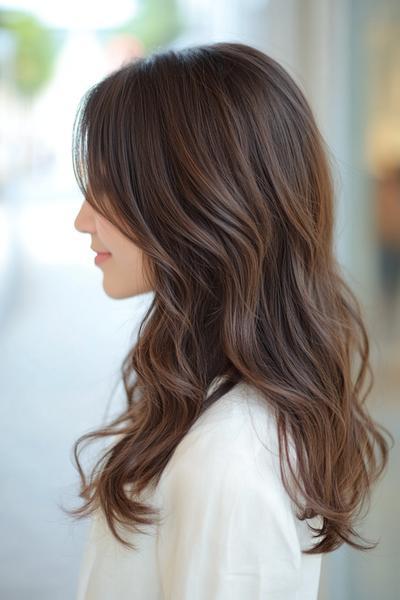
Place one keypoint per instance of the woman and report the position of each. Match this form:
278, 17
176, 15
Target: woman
245, 451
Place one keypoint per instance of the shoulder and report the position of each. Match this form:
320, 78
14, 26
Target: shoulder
234, 440
225, 474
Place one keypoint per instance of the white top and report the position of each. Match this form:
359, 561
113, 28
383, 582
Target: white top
229, 529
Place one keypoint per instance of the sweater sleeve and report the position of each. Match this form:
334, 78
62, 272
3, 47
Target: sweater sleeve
229, 532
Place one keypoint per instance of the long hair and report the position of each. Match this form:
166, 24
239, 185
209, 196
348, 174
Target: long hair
210, 160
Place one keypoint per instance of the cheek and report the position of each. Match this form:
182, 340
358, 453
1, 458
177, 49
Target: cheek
125, 252
106, 232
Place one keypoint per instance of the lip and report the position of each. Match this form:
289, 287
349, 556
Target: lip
101, 257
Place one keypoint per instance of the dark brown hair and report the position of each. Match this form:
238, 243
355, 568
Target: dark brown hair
210, 160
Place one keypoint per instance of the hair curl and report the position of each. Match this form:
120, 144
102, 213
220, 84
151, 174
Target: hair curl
210, 160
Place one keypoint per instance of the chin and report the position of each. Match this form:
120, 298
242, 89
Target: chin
122, 294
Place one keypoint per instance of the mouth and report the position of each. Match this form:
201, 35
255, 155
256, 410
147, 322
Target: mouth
101, 257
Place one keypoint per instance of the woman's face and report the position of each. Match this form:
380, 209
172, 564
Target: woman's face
123, 274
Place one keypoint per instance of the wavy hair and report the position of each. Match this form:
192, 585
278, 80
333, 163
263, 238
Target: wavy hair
210, 160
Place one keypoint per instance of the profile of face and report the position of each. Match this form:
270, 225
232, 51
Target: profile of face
123, 273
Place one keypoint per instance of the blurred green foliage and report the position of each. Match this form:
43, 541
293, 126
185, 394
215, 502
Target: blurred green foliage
35, 51
156, 23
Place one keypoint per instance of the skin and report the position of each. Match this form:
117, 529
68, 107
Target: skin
123, 270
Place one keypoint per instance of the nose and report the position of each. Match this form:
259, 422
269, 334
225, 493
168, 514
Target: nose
84, 221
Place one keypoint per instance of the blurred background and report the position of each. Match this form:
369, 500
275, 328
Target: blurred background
62, 339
